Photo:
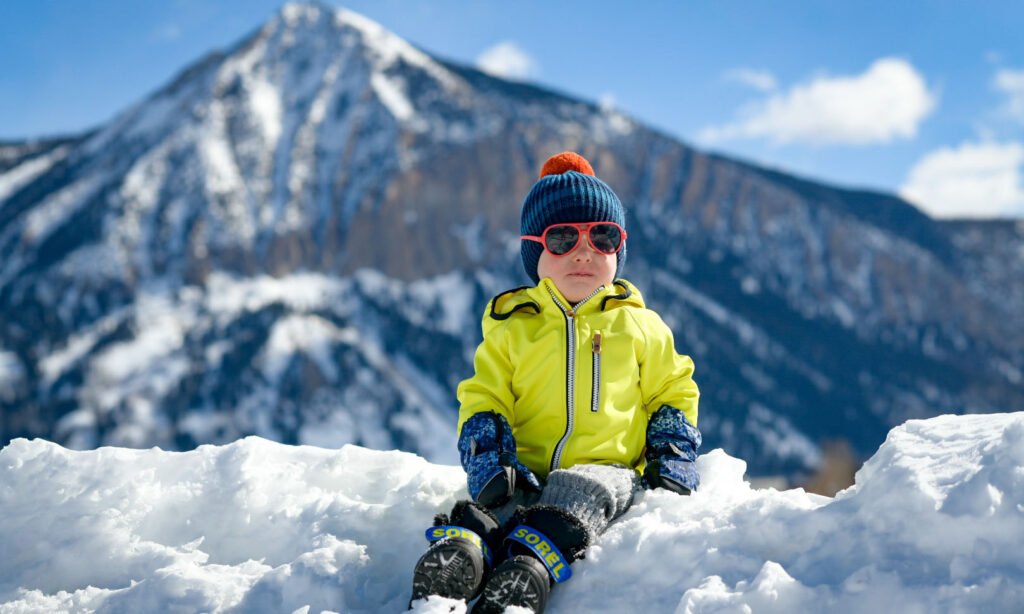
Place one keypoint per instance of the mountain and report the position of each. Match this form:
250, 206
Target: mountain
296, 237
256, 527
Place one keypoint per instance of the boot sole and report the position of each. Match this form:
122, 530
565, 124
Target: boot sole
449, 569
513, 585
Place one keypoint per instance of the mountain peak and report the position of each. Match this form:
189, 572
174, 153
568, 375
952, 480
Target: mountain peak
329, 32
389, 46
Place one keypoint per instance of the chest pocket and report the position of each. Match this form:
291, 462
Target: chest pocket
614, 374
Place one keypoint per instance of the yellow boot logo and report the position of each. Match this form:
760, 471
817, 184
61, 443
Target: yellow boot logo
544, 549
437, 533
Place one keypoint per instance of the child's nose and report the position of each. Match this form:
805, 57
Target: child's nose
584, 252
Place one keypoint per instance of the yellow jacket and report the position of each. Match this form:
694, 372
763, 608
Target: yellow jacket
577, 384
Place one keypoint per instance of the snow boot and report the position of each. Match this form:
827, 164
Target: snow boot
460, 556
541, 548
521, 580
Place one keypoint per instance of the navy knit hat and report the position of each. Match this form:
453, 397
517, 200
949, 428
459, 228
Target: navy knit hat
568, 192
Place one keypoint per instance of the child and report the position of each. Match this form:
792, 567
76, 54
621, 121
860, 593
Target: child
578, 391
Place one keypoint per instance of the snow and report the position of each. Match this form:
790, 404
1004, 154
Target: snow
390, 48
385, 51
267, 108
57, 362
391, 91
52, 212
305, 292
12, 373
264, 99
449, 300
18, 177
163, 321
308, 334
933, 524
223, 177
774, 431
152, 115
153, 359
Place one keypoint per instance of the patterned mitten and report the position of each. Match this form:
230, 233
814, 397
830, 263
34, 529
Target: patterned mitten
487, 450
672, 444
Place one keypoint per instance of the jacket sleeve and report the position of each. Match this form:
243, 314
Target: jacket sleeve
666, 378
490, 387
670, 396
487, 448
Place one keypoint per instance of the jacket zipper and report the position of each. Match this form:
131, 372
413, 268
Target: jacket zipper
570, 373
595, 395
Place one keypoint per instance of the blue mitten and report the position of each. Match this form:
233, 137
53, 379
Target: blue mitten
487, 450
672, 444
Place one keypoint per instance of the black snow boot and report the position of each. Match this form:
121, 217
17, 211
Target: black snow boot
460, 556
543, 545
521, 580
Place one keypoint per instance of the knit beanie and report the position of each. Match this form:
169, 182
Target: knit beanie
567, 192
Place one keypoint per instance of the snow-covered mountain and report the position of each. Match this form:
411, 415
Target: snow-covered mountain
933, 524
295, 238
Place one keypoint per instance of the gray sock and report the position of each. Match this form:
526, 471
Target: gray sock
595, 494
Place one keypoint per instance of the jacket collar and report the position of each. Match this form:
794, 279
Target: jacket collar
546, 297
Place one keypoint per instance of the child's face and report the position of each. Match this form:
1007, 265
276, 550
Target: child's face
580, 272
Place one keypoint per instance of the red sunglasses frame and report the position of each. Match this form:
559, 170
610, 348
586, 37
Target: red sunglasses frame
583, 228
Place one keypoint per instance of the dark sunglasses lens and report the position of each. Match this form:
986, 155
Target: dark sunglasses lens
606, 238
561, 239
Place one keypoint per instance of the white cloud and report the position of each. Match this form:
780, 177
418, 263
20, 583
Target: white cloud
167, 33
760, 80
976, 180
1011, 83
508, 61
888, 101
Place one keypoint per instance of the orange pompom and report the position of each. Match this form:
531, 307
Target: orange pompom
566, 161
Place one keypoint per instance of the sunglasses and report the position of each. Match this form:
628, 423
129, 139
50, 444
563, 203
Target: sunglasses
560, 239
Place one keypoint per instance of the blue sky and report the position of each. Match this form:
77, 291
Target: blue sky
921, 98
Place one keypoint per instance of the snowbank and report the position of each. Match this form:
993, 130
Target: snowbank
935, 523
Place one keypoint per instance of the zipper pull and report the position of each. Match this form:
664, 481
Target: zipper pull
597, 342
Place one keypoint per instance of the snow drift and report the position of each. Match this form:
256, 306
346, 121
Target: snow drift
934, 523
